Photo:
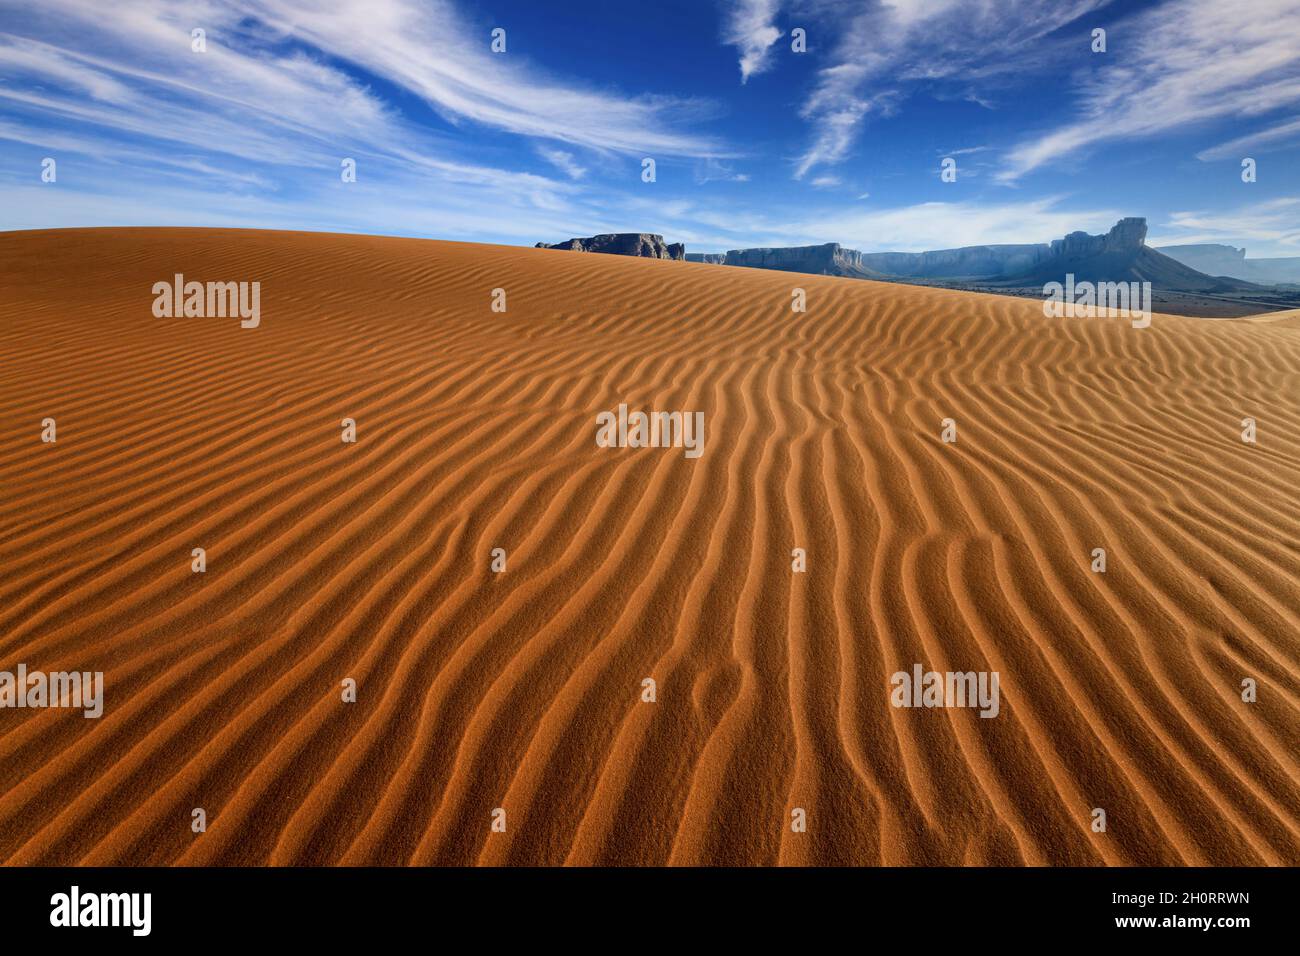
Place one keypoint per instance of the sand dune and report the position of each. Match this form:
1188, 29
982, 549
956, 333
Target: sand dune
522, 690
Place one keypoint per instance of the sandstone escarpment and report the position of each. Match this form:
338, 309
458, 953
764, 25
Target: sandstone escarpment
645, 244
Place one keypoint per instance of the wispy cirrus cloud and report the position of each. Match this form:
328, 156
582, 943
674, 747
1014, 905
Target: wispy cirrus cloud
285, 90
563, 161
950, 225
465, 81
267, 86
454, 141
1280, 136
715, 171
913, 227
750, 27
893, 47
1183, 63
1272, 226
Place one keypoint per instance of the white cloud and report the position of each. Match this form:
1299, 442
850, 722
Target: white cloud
1176, 65
134, 72
1275, 137
140, 116
711, 170
750, 27
252, 132
407, 209
1269, 228
563, 161
950, 225
891, 47
912, 228
426, 48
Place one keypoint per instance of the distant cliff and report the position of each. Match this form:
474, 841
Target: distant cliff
1001, 261
1128, 235
968, 261
1219, 260
1120, 255
827, 259
833, 259
644, 244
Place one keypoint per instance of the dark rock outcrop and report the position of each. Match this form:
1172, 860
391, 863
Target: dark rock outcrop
644, 244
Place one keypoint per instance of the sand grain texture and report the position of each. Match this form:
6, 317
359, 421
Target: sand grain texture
522, 690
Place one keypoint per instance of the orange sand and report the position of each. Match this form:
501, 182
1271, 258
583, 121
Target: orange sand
521, 690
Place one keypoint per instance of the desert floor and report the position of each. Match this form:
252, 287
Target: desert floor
522, 690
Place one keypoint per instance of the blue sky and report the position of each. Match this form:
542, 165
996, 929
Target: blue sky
754, 144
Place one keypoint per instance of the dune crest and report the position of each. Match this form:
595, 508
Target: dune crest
769, 736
